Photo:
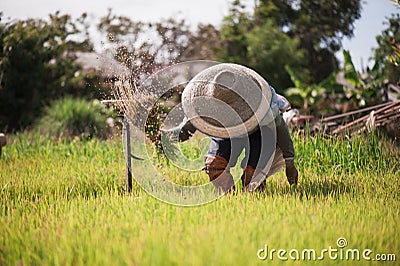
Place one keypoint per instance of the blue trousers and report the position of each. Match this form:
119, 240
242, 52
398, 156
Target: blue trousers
259, 146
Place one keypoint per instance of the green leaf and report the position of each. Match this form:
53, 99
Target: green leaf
296, 80
292, 91
350, 73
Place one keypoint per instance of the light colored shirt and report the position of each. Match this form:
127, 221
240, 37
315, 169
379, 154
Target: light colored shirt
279, 104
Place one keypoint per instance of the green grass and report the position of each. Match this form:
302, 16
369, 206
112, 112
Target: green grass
63, 203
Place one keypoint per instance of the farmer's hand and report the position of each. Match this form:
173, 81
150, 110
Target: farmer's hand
171, 136
292, 174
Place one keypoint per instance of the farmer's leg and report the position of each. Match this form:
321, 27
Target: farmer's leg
260, 151
284, 141
222, 155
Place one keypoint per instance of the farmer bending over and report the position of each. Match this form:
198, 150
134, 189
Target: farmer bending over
240, 111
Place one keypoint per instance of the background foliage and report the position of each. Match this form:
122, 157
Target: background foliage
70, 118
291, 43
284, 26
37, 65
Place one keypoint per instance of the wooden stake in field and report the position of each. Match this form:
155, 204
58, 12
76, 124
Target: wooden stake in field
127, 143
123, 107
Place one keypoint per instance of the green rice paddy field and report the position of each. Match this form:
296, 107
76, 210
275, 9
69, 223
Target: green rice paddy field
64, 203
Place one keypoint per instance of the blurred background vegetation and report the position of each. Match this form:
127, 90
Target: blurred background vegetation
291, 44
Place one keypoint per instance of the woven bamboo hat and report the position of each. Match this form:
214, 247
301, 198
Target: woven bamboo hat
227, 100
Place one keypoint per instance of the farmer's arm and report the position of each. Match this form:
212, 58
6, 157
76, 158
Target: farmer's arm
187, 130
182, 132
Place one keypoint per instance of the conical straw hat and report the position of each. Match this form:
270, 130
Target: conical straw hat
227, 100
